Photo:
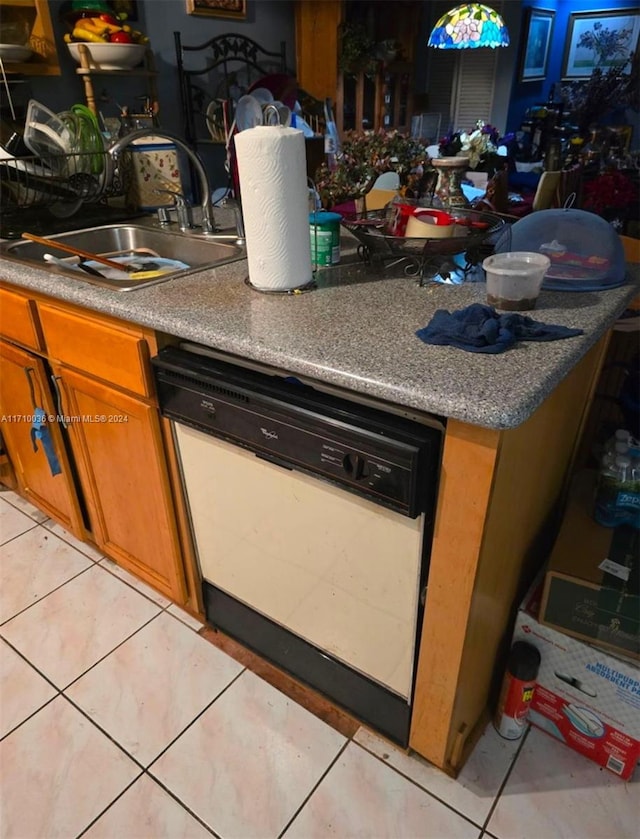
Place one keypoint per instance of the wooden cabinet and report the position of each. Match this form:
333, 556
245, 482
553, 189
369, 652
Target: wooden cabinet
35, 15
20, 320
496, 517
119, 454
23, 386
93, 372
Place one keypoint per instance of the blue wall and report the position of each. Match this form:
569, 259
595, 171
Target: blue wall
526, 94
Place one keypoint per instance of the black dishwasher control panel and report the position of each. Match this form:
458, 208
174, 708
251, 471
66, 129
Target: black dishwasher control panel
390, 460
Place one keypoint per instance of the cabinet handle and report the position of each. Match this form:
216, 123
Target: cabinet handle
28, 371
54, 381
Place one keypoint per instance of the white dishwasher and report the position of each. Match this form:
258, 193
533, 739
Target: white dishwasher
311, 515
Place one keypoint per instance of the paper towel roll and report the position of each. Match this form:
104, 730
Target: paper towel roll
273, 186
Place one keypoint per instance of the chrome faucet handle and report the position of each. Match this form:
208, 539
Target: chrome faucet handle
234, 204
183, 208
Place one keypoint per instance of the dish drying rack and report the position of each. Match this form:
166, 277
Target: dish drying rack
60, 183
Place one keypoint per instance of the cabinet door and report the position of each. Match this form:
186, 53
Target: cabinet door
19, 320
118, 448
54, 494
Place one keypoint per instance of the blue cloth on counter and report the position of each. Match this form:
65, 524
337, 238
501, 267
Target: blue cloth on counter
479, 328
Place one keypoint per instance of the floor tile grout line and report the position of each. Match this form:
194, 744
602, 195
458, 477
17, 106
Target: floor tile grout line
24, 513
50, 529
505, 780
84, 570
197, 717
117, 647
48, 523
419, 785
18, 535
31, 715
173, 795
143, 766
127, 583
44, 596
184, 623
109, 805
307, 798
102, 731
30, 663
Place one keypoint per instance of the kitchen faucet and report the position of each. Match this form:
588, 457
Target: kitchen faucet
208, 222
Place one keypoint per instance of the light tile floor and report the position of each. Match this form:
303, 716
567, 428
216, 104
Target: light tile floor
119, 721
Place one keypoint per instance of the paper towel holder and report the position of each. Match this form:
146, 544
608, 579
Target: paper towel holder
310, 286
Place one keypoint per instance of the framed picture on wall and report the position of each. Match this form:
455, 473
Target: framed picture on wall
536, 46
600, 40
218, 8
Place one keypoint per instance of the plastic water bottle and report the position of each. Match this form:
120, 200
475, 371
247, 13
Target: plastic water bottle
620, 449
620, 437
618, 494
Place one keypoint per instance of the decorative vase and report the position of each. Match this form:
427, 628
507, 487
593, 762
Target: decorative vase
450, 171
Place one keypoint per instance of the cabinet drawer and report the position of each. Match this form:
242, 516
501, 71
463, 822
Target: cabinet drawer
18, 320
119, 356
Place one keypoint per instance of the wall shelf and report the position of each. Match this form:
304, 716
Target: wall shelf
86, 72
35, 13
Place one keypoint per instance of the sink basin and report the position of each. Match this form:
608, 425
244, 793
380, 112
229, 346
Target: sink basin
115, 240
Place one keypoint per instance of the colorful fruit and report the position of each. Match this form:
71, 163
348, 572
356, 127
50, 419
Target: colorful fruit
120, 38
81, 34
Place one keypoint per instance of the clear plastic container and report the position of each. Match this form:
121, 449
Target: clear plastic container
47, 136
514, 279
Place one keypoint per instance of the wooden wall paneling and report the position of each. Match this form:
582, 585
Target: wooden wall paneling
317, 46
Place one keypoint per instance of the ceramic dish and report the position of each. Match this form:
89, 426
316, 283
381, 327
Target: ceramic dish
110, 56
264, 96
14, 53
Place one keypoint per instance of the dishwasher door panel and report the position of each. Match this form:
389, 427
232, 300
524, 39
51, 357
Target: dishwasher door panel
335, 569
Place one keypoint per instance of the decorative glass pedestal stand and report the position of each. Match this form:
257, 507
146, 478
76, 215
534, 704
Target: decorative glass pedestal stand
451, 171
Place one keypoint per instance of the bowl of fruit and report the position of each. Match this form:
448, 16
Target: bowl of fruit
107, 42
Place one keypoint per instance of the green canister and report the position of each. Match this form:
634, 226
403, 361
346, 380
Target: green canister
324, 230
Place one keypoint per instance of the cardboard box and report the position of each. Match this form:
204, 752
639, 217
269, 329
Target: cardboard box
584, 696
592, 585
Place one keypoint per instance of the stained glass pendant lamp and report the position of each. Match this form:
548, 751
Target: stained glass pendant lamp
469, 26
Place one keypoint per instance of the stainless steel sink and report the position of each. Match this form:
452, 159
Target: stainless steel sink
198, 252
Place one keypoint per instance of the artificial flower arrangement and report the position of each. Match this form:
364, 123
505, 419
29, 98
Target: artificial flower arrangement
477, 145
364, 156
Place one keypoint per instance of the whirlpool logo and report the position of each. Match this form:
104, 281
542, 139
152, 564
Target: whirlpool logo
269, 435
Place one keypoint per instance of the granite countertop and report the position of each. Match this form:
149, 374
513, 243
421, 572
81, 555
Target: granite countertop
357, 331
